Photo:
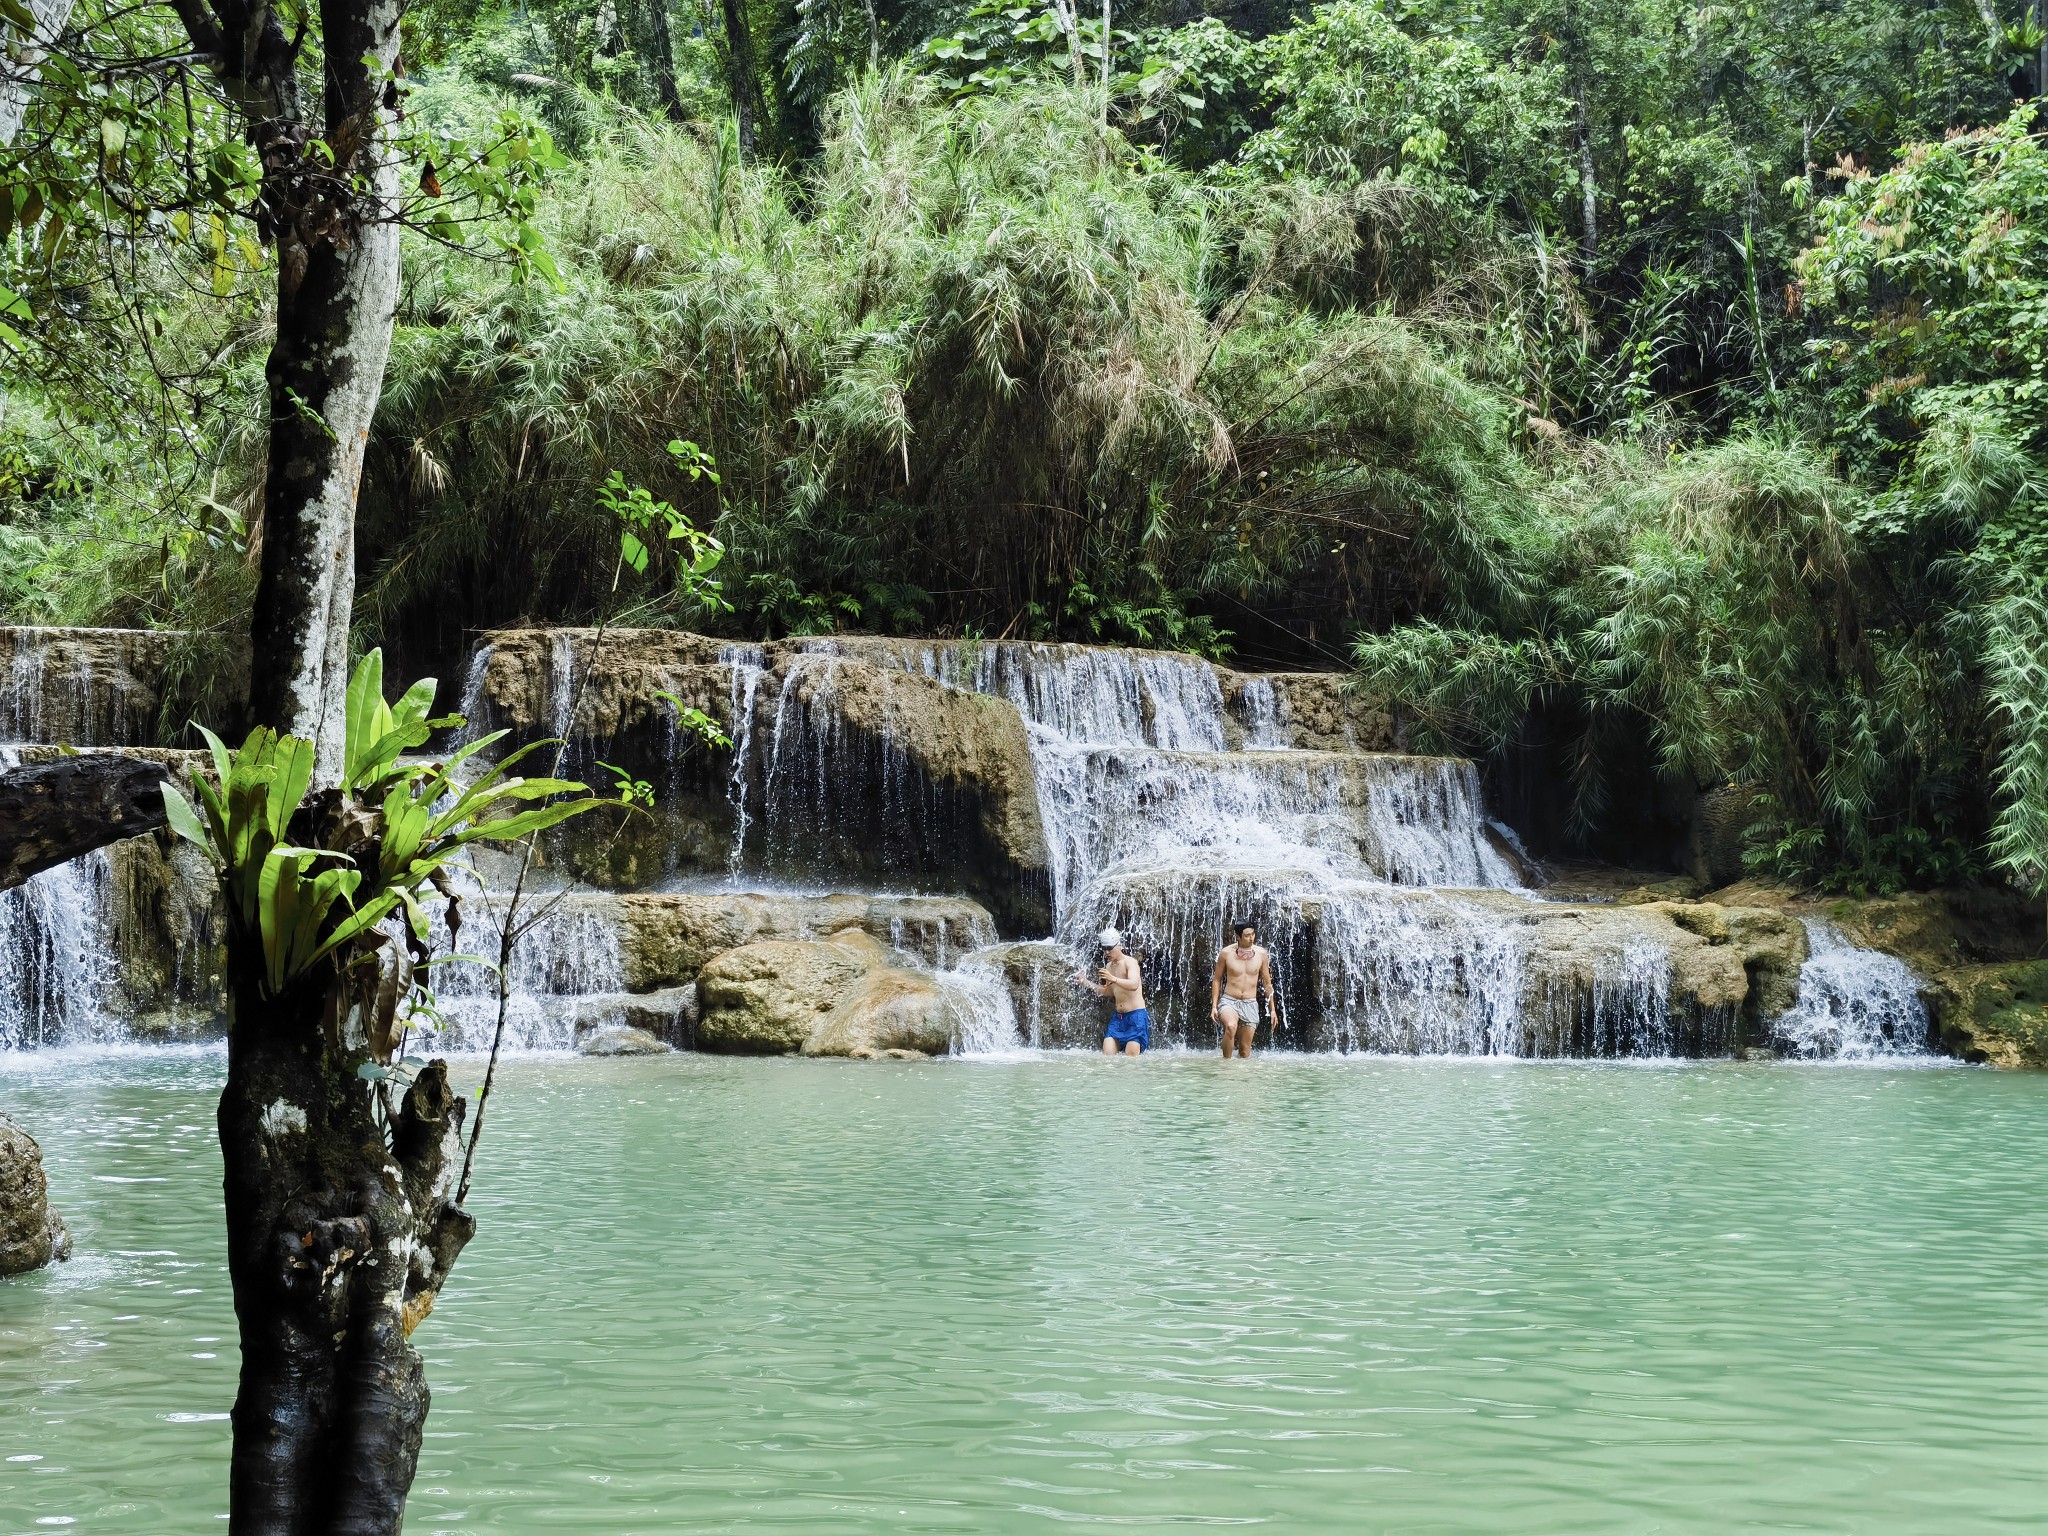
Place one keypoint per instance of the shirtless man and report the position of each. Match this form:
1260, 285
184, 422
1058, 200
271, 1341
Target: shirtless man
1130, 1027
1240, 974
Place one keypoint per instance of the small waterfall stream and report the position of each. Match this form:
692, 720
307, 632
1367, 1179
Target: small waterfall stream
56, 961
1854, 1004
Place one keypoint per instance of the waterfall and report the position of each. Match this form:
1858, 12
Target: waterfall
1259, 703
1101, 697
1342, 816
1175, 800
565, 977
748, 664
471, 707
1854, 1004
25, 681
57, 959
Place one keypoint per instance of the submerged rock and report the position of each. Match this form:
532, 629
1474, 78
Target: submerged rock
834, 997
31, 1232
620, 1040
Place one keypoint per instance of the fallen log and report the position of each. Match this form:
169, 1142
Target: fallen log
51, 812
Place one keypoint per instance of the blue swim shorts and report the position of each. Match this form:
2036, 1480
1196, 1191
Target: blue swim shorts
1135, 1025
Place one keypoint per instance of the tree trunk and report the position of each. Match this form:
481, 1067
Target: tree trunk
52, 812
341, 1229
340, 1212
1575, 48
337, 304
743, 76
664, 61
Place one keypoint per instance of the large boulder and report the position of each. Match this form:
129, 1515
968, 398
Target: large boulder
31, 1233
834, 997
666, 937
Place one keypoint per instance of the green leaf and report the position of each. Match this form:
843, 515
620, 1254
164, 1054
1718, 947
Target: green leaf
365, 716
183, 819
294, 774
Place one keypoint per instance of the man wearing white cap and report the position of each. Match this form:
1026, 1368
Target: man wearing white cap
1130, 1027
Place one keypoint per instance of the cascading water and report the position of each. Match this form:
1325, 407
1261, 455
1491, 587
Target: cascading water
56, 958
565, 978
1260, 705
748, 663
1854, 1004
1364, 871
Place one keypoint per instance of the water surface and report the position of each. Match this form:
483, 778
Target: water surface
1310, 1295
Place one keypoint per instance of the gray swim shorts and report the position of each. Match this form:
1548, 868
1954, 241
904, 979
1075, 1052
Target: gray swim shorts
1246, 1009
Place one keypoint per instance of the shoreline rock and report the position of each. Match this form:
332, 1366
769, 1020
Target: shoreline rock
32, 1234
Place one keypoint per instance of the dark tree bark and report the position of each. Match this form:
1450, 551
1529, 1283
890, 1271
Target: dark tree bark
342, 1227
52, 812
664, 60
743, 76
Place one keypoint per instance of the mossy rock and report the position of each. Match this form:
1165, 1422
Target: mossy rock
2001, 1015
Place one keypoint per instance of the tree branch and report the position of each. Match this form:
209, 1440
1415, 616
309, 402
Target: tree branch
52, 812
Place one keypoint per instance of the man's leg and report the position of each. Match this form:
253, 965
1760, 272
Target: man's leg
1108, 1045
1132, 1048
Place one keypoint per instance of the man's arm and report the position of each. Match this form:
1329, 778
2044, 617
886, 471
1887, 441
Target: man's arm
1216, 986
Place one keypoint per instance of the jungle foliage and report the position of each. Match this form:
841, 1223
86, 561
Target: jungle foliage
1659, 381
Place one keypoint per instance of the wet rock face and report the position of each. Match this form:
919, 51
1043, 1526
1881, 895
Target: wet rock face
1998, 1014
1312, 711
31, 1233
109, 687
840, 769
834, 997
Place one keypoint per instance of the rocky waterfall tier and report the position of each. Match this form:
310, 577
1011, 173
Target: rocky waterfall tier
909, 846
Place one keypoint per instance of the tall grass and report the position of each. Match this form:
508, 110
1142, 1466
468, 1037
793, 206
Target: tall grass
986, 367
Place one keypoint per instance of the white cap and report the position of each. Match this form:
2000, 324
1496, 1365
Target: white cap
1110, 938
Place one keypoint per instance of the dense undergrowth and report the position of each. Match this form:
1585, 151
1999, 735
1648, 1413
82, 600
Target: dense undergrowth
1659, 384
